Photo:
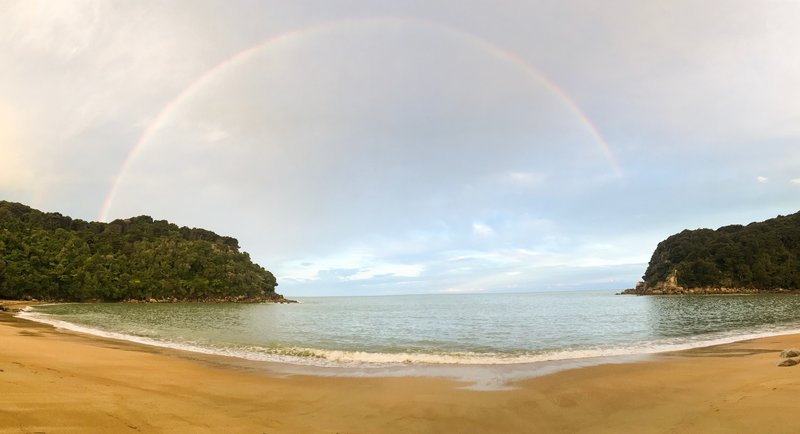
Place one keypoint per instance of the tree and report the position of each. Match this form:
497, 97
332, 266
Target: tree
53, 257
764, 255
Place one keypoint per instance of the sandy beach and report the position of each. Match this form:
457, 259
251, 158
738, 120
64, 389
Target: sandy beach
53, 381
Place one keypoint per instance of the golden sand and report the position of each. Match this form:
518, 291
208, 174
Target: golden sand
60, 382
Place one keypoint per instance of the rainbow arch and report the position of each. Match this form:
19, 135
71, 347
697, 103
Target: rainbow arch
317, 29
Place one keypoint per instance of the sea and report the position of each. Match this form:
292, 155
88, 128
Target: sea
486, 339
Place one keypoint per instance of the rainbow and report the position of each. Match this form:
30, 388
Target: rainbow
314, 30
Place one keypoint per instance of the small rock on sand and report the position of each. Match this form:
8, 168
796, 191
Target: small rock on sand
792, 352
789, 362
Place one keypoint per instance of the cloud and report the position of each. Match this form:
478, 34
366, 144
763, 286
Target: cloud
63, 30
353, 264
482, 230
394, 155
524, 179
214, 133
461, 290
387, 270
16, 162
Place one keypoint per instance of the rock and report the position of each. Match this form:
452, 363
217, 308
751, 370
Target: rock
789, 362
792, 352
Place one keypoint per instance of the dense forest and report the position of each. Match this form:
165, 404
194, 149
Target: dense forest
47, 256
762, 256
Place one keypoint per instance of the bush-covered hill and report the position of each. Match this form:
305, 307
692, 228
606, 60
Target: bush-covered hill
762, 256
48, 256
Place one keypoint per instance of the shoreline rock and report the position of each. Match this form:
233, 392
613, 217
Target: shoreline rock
711, 290
18, 305
788, 354
670, 286
279, 299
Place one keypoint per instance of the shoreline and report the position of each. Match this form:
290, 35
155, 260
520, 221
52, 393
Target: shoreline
486, 372
473, 376
122, 386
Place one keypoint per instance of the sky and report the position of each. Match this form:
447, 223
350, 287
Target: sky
383, 147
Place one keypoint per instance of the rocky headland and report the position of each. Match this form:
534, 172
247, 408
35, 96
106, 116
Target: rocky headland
762, 257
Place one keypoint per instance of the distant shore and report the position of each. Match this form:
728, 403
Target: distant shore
68, 382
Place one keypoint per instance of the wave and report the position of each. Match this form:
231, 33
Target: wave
341, 358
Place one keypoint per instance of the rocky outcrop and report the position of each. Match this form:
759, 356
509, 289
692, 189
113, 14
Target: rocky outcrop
271, 298
14, 306
670, 286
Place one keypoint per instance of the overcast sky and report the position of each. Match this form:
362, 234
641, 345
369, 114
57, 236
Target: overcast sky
383, 147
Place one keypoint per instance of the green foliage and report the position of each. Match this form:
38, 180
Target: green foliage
763, 255
48, 256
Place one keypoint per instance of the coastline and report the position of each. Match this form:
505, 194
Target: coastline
488, 371
56, 380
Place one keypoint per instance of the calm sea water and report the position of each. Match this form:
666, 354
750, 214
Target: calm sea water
423, 329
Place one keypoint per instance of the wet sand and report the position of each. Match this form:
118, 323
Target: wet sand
61, 382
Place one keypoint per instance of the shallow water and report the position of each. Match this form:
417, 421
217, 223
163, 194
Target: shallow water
476, 329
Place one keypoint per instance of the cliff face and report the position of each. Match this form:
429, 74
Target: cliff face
759, 257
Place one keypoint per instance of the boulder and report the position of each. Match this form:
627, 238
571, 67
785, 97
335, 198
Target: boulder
789, 362
792, 352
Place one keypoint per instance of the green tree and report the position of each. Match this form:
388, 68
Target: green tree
53, 257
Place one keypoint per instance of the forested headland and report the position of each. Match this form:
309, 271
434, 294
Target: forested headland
48, 256
758, 257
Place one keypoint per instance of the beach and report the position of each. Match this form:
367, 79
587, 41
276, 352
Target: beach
56, 381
